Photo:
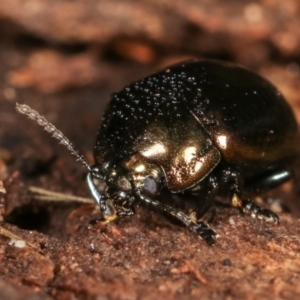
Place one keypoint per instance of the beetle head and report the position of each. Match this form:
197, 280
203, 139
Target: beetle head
123, 181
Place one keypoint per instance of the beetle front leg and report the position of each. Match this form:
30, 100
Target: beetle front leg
200, 228
125, 211
206, 196
106, 206
99, 199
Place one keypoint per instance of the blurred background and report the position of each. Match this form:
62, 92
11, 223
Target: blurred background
65, 58
52, 46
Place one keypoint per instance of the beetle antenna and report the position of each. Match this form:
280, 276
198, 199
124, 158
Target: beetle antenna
32, 114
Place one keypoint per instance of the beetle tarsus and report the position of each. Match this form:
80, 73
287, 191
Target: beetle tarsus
249, 207
125, 212
204, 231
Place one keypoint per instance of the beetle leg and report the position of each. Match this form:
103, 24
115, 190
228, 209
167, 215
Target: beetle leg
124, 206
246, 205
206, 200
110, 214
106, 206
250, 208
200, 228
125, 211
206, 193
99, 199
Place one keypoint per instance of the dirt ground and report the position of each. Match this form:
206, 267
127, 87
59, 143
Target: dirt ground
65, 59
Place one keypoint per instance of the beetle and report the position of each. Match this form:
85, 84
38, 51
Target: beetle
202, 127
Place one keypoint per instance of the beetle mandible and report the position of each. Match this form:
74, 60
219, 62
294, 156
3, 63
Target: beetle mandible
202, 127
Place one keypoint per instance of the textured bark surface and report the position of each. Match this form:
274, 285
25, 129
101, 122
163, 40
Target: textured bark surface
65, 58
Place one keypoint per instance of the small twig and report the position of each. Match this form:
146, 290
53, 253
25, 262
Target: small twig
46, 195
13, 236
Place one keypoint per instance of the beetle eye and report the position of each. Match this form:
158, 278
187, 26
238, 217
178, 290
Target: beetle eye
151, 186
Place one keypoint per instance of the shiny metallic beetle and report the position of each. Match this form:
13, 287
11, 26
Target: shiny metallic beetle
201, 127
